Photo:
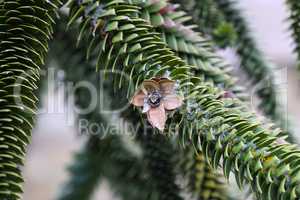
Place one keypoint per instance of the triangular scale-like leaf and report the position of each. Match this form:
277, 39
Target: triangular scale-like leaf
126, 60
115, 60
123, 49
99, 62
182, 46
258, 184
131, 37
282, 185
103, 44
227, 167
83, 28
293, 194
107, 13
157, 20
145, 15
112, 26
108, 57
118, 37
172, 42
114, 2
75, 16
239, 178
216, 159
248, 173
135, 47
120, 18
127, 27
126, 11
183, 19
90, 48
176, 15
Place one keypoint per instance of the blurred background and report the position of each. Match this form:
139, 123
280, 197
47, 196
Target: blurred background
54, 138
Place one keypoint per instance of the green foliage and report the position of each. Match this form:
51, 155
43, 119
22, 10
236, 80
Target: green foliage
227, 27
294, 18
87, 169
107, 158
204, 13
25, 30
159, 158
74, 60
177, 32
210, 21
132, 181
79, 69
257, 68
225, 35
248, 148
197, 51
204, 182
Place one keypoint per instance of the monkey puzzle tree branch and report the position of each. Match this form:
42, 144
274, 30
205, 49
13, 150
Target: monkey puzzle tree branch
104, 156
25, 29
74, 59
203, 181
249, 148
257, 68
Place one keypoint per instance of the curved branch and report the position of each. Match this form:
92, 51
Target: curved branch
253, 151
25, 29
257, 68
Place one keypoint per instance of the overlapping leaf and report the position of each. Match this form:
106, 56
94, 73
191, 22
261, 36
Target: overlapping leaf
177, 32
185, 39
25, 29
254, 152
257, 68
204, 182
104, 156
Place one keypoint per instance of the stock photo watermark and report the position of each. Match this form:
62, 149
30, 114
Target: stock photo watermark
78, 98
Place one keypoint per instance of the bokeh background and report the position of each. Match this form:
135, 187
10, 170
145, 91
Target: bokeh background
54, 139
